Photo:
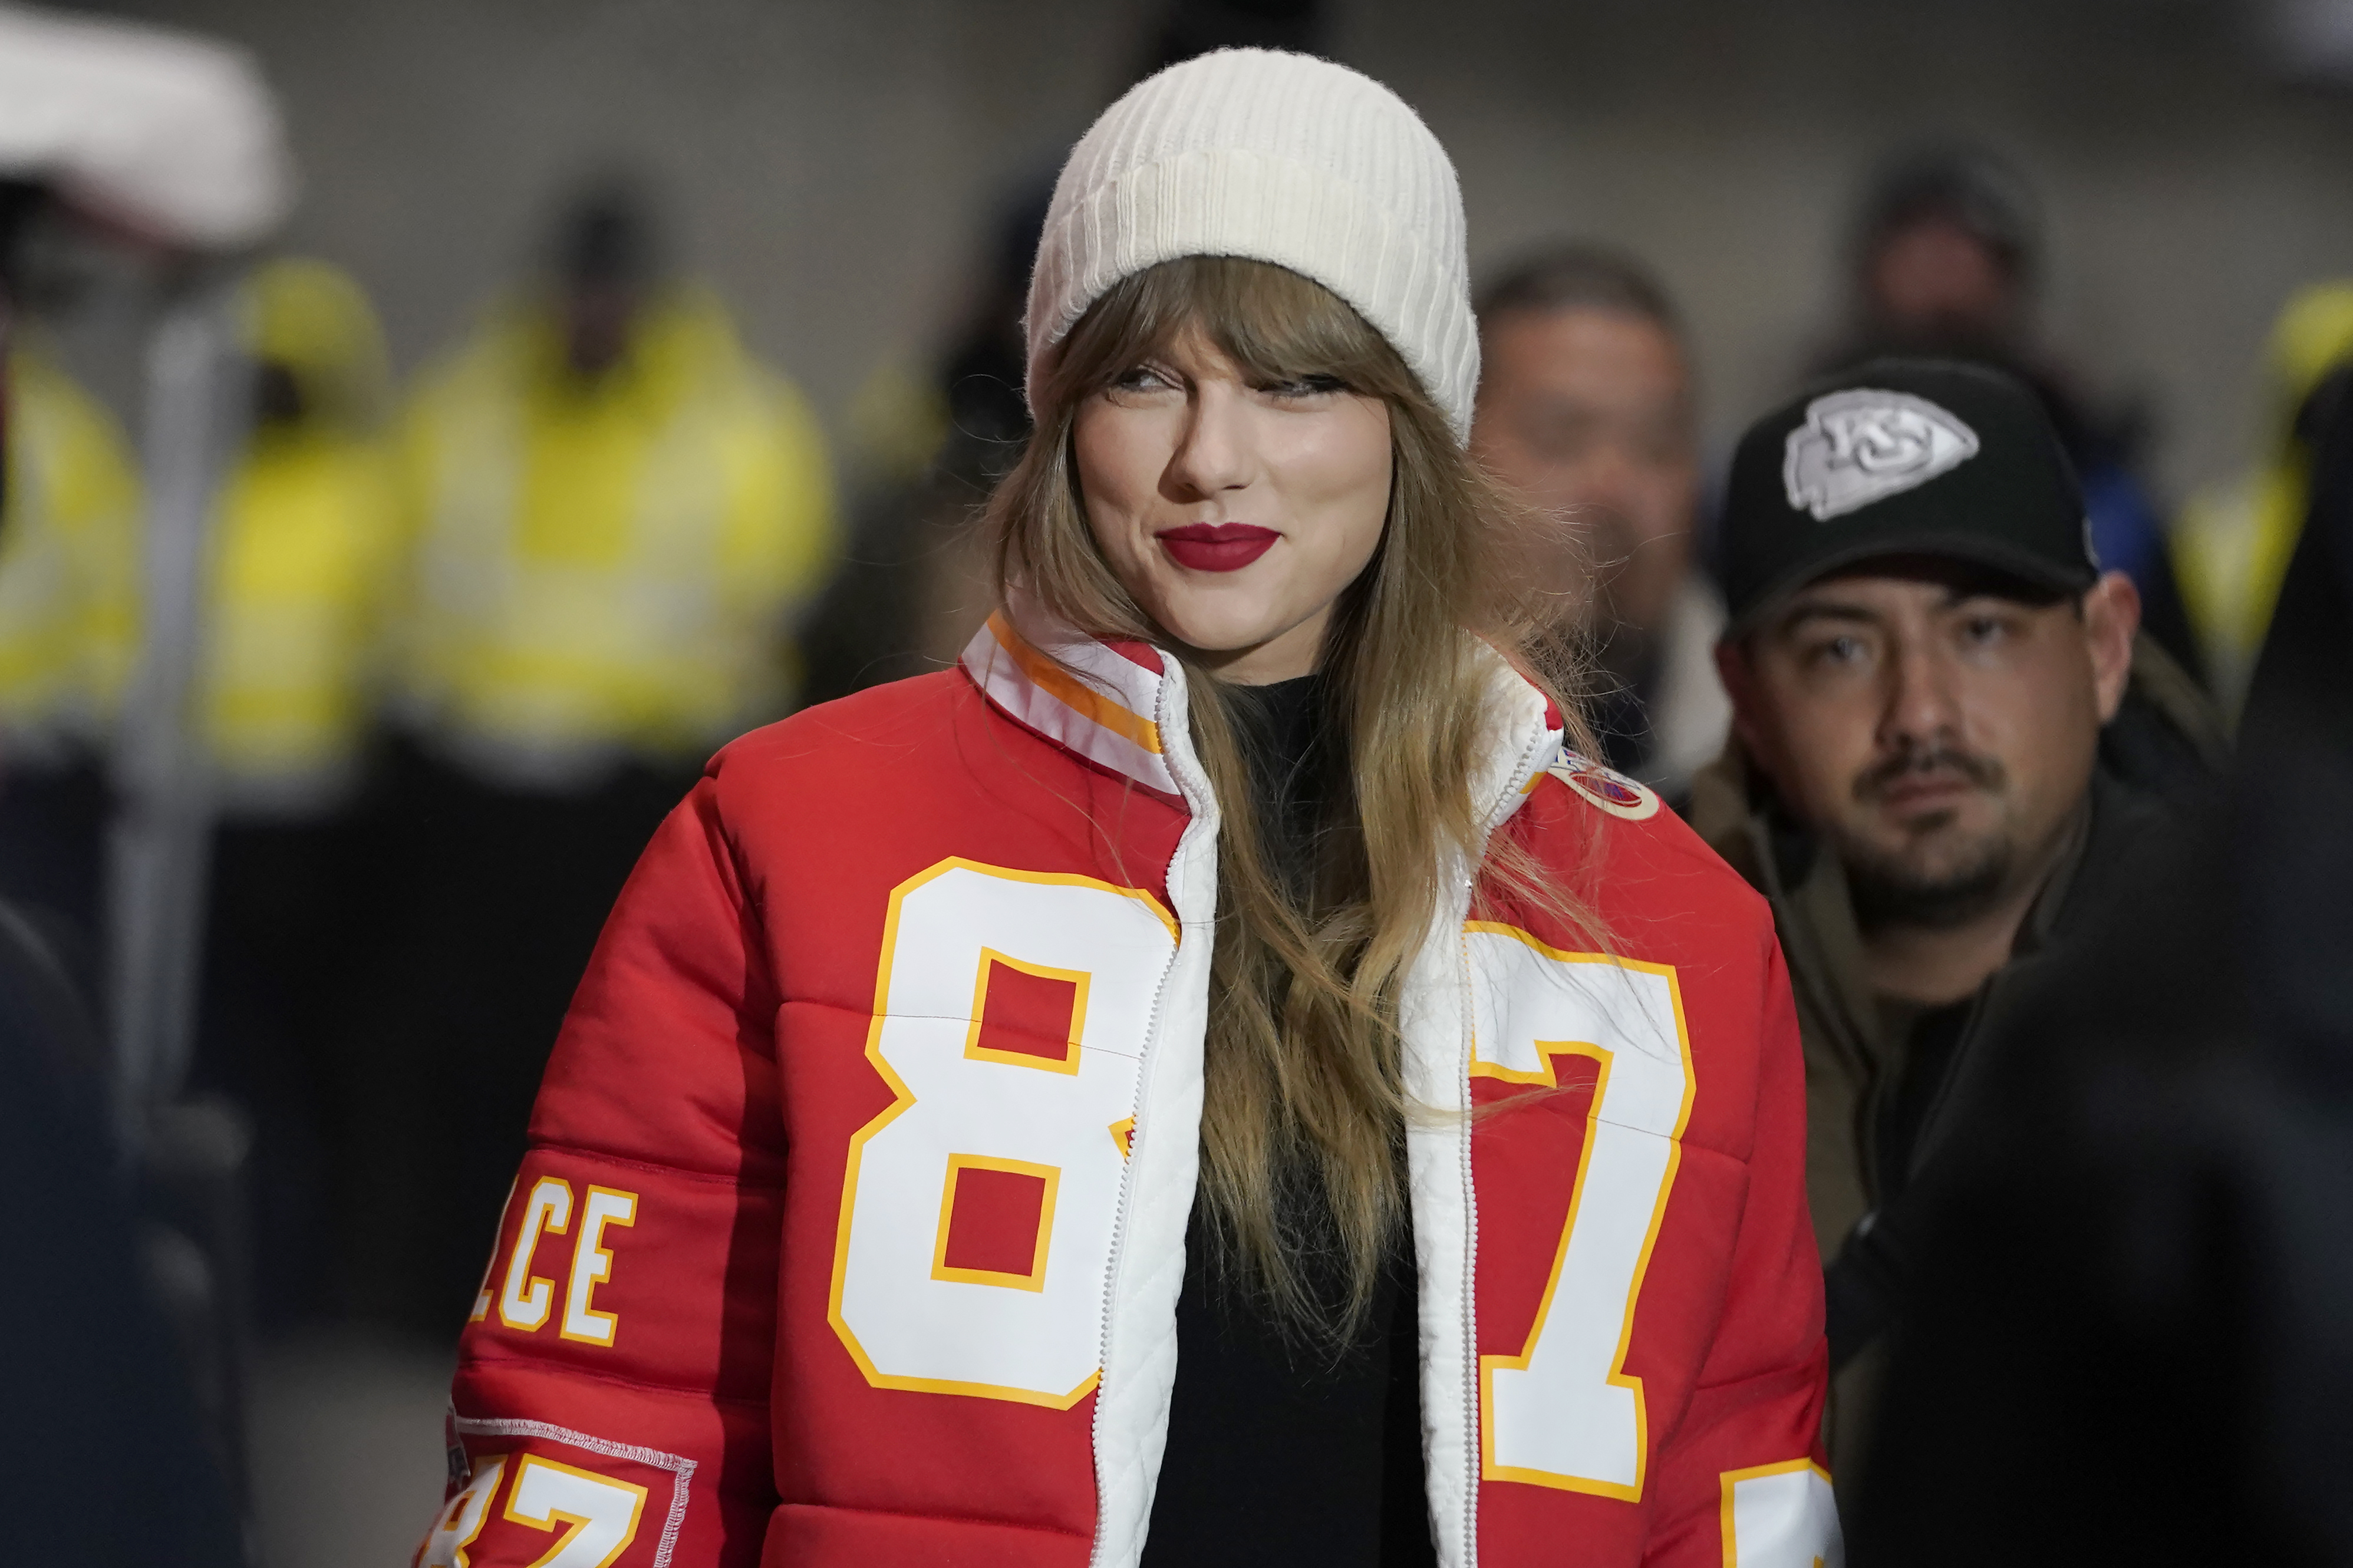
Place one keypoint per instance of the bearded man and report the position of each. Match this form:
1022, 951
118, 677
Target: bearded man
1948, 737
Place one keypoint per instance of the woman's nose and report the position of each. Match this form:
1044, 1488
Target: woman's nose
1216, 451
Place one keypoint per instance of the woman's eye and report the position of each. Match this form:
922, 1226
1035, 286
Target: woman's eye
1304, 386
1142, 378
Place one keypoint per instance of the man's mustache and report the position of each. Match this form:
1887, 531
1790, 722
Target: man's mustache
1875, 782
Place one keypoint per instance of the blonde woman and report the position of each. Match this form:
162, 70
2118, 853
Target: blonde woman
1213, 1078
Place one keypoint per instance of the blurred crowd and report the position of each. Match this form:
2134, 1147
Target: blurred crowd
465, 640
459, 657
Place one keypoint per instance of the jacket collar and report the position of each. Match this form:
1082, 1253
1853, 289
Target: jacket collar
1100, 699
1117, 703
1731, 809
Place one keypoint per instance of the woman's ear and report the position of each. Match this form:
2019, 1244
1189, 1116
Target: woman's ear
2111, 619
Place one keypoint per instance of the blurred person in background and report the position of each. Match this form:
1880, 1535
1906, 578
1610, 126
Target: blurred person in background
914, 579
2143, 1253
103, 1450
69, 595
1946, 257
108, 1453
923, 1191
1587, 408
1947, 751
2232, 543
304, 559
614, 513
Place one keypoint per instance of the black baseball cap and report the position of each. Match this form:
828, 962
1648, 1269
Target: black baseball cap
1903, 457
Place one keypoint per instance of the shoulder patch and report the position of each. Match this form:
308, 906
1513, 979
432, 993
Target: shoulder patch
1605, 788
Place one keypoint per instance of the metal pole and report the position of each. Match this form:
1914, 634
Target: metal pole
159, 847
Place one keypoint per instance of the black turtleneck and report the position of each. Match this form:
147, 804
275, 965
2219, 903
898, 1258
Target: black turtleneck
1280, 1451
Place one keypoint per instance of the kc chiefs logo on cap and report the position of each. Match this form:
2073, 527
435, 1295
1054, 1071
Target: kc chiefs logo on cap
1862, 445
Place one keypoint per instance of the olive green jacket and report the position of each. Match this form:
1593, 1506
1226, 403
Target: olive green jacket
2164, 741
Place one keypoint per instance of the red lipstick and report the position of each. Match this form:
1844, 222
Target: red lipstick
1217, 546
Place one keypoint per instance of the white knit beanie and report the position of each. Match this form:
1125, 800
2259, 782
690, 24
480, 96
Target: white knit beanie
1274, 157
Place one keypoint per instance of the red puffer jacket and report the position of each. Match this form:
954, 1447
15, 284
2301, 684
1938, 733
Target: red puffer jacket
853, 1224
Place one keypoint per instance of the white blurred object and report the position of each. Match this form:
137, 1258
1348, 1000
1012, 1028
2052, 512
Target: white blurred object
175, 139
170, 135
160, 835
2310, 40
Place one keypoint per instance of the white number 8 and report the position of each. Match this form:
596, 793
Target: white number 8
1010, 1011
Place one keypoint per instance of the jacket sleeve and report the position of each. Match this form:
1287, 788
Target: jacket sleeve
613, 1379
1743, 1484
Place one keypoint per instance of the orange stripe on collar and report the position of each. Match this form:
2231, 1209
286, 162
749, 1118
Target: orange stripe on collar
1071, 692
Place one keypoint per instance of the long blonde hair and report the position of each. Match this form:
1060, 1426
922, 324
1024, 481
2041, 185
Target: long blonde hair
1304, 1096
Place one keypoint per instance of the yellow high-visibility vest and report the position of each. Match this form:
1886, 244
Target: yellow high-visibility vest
2232, 544
69, 553
604, 568
304, 554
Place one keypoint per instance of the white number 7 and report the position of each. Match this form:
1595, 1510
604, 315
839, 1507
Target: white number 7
603, 1512
1563, 1412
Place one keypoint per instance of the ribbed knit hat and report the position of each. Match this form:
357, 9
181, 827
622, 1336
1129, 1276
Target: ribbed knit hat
1273, 157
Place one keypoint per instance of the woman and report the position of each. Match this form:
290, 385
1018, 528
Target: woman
855, 1228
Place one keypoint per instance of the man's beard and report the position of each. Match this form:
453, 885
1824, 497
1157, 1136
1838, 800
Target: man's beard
1894, 889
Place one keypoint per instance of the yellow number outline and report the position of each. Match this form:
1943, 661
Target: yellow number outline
1617, 1376
901, 1097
